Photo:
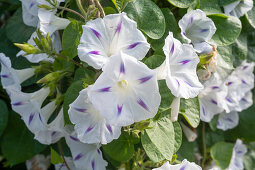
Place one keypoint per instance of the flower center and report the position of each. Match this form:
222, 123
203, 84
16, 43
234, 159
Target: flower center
123, 84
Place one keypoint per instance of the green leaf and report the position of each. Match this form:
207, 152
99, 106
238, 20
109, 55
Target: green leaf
71, 94
85, 75
225, 59
228, 29
16, 30
121, 149
177, 136
109, 10
240, 49
55, 157
221, 153
6, 46
182, 3
210, 6
226, 2
18, 144
166, 95
120, 4
4, 116
159, 141
171, 26
154, 61
250, 15
71, 39
148, 16
191, 110
186, 150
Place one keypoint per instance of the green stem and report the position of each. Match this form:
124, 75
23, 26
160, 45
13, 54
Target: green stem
79, 4
62, 155
204, 145
72, 11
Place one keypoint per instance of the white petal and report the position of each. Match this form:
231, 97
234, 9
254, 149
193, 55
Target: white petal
228, 120
90, 126
126, 91
238, 8
105, 37
203, 47
245, 102
190, 135
181, 64
49, 23
196, 27
175, 106
30, 12
85, 156
236, 162
184, 165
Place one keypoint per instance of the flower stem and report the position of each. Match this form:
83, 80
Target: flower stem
70, 10
62, 155
204, 145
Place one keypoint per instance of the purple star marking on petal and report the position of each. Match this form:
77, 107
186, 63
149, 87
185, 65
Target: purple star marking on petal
17, 103
89, 129
94, 52
4, 76
79, 156
244, 67
228, 99
204, 30
105, 89
93, 164
145, 79
80, 109
98, 151
97, 34
31, 118
213, 102
53, 133
31, 5
214, 87
203, 109
229, 83
74, 138
109, 128
122, 68
142, 104
40, 117
184, 62
118, 27
178, 82
244, 82
188, 83
133, 45
183, 167
119, 108
191, 20
230, 120
172, 49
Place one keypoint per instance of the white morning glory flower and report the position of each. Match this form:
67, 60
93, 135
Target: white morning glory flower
212, 98
54, 130
105, 37
90, 126
11, 76
126, 92
49, 23
185, 165
197, 28
36, 58
30, 12
85, 156
228, 120
238, 8
236, 162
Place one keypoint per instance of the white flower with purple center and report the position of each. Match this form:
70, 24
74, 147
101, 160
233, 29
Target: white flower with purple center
228, 120
185, 165
238, 8
49, 23
36, 58
85, 156
236, 162
90, 126
126, 92
198, 29
103, 38
54, 130
11, 76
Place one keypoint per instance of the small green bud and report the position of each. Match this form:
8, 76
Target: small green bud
29, 49
45, 7
51, 77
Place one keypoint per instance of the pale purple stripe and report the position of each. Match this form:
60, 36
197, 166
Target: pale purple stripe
78, 157
80, 109
145, 79
229, 83
213, 101
183, 167
230, 120
89, 129
184, 33
122, 68
98, 35
118, 27
4, 75
141, 103
228, 100
178, 82
184, 62
17, 104
239, 152
214, 87
53, 133
133, 45
191, 20
119, 108
98, 151
31, 118
204, 30
245, 67
106, 89
94, 52
244, 82
109, 128
93, 165
188, 83
74, 138
172, 48
40, 117
203, 109
244, 100
31, 5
